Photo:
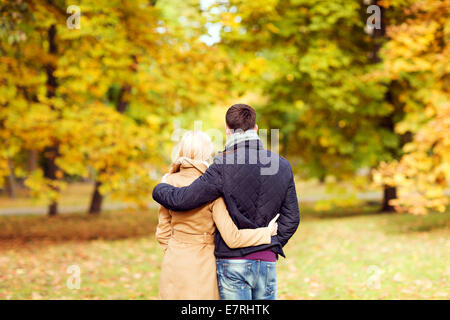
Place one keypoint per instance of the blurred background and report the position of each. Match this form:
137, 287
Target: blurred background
95, 94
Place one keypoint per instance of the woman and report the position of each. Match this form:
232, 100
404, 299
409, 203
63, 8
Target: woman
189, 266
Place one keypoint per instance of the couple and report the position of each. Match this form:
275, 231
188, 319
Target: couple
235, 194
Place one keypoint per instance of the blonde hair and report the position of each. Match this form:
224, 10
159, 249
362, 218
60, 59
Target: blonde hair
194, 145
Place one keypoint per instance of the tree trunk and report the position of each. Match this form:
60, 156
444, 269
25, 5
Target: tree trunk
50, 173
32, 160
379, 37
122, 101
97, 200
11, 185
390, 193
51, 152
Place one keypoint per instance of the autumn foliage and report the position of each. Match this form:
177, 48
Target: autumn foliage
99, 102
416, 59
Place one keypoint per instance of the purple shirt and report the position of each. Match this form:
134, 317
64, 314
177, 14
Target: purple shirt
265, 255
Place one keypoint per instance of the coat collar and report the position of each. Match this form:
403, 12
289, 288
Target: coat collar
239, 137
187, 163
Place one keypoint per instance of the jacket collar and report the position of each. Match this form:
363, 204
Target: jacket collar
238, 137
249, 144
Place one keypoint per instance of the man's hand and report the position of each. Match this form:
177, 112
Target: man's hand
204, 189
273, 226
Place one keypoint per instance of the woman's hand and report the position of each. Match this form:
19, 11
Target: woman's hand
164, 178
273, 226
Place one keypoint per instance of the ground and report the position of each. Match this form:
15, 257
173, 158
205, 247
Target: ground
340, 254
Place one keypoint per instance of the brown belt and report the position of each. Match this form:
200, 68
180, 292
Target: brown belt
205, 238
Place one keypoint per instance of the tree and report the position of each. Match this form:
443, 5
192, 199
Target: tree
416, 60
180, 64
100, 97
23, 83
51, 151
315, 71
388, 123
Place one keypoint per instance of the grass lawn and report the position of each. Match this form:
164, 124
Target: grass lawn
352, 254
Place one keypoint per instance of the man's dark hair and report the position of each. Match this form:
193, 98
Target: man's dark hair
240, 116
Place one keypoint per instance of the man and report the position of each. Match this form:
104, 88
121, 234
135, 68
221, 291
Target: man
256, 184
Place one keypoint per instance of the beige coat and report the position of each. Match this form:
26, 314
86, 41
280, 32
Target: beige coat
189, 266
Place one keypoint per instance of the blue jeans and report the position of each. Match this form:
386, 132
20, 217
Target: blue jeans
247, 279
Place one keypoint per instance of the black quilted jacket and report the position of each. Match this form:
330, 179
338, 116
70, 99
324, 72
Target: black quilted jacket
256, 185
